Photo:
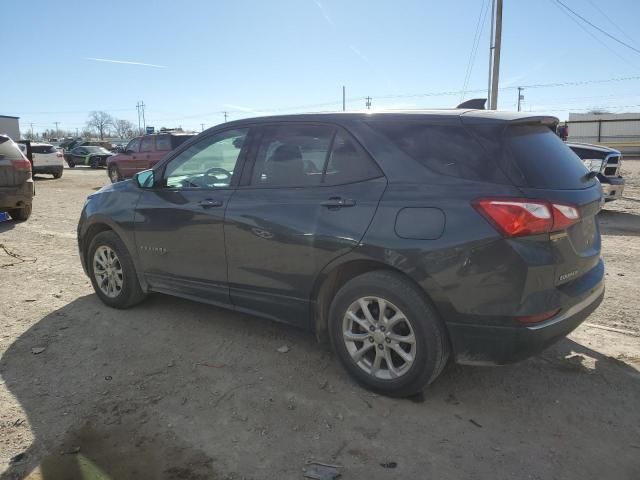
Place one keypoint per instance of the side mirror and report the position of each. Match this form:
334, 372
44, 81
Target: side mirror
145, 179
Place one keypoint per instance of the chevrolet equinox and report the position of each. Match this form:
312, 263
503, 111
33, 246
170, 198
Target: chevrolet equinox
406, 239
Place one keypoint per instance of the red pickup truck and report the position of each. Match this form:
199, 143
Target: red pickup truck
142, 153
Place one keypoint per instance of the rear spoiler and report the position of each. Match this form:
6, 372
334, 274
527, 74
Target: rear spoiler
474, 103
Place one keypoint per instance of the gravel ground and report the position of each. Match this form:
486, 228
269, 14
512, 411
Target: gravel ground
178, 390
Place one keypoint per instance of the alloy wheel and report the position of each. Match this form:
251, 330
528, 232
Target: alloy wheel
108, 271
379, 338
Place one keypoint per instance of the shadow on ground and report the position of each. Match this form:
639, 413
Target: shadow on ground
616, 222
178, 390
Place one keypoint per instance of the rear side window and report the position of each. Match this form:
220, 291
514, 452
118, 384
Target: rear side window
292, 155
177, 140
445, 149
543, 160
147, 144
163, 142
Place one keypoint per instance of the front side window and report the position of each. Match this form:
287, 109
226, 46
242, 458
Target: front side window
147, 144
292, 155
133, 146
209, 163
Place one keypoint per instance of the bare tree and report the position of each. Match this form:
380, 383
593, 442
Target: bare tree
124, 128
100, 122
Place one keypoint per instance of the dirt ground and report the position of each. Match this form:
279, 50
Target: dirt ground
177, 390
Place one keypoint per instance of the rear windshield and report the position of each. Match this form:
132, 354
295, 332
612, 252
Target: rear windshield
543, 160
449, 149
9, 150
43, 149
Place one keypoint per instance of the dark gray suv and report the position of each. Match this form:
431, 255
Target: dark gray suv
407, 239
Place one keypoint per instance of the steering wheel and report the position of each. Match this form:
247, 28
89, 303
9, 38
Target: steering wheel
218, 170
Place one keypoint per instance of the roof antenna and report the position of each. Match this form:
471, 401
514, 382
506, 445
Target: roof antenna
474, 103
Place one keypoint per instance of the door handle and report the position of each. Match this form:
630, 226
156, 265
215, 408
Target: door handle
209, 203
338, 202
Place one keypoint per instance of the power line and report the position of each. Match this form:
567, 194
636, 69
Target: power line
614, 24
604, 32
484, 8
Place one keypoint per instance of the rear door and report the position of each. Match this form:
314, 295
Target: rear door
309, 197
46, 156
544, 168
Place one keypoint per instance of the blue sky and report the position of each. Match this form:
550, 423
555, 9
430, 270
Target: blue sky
254, 57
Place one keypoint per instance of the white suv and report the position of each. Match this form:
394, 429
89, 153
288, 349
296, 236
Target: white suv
46, 158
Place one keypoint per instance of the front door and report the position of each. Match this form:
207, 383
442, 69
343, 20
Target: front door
312, 194
179, 222
128, 162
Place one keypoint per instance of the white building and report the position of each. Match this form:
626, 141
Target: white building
10, 126
617, 130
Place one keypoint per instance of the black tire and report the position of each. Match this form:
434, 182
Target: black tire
114, 174
21, 214
131, 293
58, 172
431, 339
70, 162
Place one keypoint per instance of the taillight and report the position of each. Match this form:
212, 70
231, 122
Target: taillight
518, 217
529, 319
22, 165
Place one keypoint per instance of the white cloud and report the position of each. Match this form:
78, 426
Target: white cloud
107, 60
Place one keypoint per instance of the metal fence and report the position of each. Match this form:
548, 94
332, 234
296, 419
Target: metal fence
621, 133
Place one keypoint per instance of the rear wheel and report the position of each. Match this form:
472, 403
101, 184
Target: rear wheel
21, 214
112, 271
387, 335
114, 174
58, 172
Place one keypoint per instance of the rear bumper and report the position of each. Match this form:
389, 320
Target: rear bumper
47, 168
16, 196
498, 345
612, 188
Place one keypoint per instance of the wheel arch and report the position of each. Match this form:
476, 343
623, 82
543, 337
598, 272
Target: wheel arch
100, 225
334, 277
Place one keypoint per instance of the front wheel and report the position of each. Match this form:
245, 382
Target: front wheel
112, 271
70, 162
387, 335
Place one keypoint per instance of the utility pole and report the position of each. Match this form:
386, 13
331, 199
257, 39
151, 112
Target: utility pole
138, 110
144, 122
225, 116
494, 53
31, 125
344, 100
76, 131
202, 125
520, 96
56, 128
368, 104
